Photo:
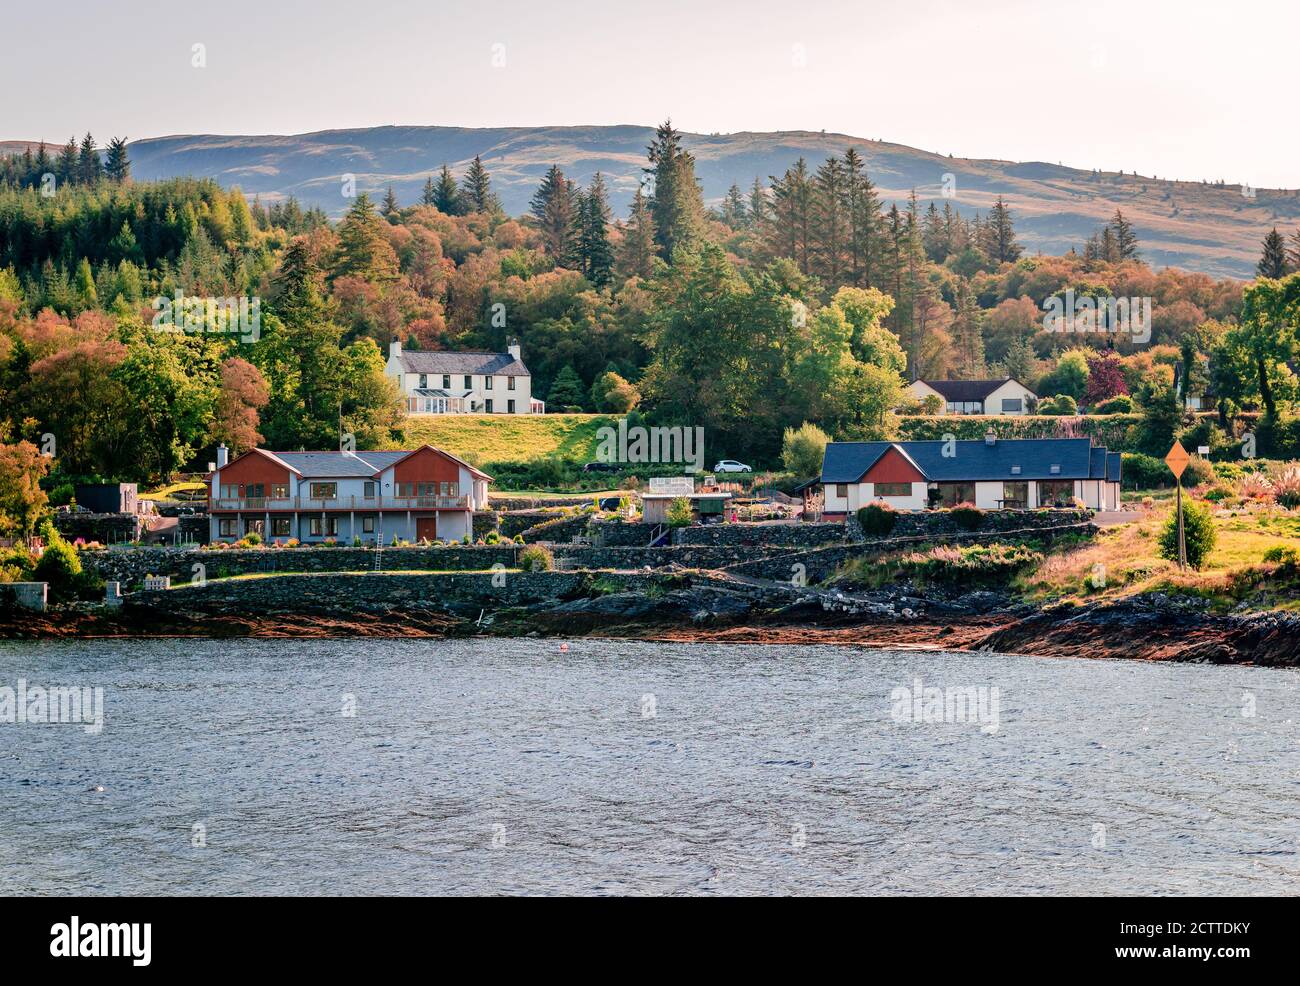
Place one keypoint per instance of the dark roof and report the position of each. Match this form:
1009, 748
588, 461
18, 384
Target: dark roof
314, 465
972, 461
967, 390
1114, 466
495, 364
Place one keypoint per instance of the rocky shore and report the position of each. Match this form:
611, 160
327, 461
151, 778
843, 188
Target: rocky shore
680, 606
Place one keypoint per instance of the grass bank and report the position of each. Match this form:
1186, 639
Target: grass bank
510, 437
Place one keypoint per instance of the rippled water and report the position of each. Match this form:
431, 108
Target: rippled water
511, 767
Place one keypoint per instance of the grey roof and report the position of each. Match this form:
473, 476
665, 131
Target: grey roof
1114, 466
495, 364
341, 465
973, 461
438, 392
966, 390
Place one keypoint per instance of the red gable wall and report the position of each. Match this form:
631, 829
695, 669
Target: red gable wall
893, 467
254, 468
427, 466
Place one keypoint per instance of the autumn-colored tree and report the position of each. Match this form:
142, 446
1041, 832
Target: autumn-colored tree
244, 392
22, 501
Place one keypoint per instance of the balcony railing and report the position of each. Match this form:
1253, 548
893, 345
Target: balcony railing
303, 503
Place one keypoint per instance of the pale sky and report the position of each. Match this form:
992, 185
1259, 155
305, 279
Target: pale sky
1187, 89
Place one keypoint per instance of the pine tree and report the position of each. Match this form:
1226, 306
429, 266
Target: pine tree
478, 188
999, 235
636, 254
446, 196
864, 223
758, 203
967, 335
117, 167
676, 203
1293, 254
89, 167
553, 207
1273, 261
593, 235
934, 235
734, 214
1125, 238
790, 218
67, 166
364, 250
389, 208
430, 195
567, 389
829, 222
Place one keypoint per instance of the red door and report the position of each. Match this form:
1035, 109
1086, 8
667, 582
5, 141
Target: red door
426, 528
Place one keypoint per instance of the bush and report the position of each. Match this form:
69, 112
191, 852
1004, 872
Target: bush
1286, 487
679, 512
1059, 405
1146, 472
877, 519
536, 558
493, 537
1119, 404
1283, 554
59, 566
1198, 533
802, 449
967, 515
252, 538
1253, 486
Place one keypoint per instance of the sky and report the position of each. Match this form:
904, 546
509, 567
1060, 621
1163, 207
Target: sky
1192, 89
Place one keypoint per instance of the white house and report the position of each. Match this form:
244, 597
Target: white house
434, 382
423, 493
993, 474
1005, 396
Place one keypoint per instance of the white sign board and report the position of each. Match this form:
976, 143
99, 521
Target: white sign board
675, 485
1202, 450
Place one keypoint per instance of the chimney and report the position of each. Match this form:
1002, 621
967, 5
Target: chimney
990, 437
512, 347
395, 348
223, 455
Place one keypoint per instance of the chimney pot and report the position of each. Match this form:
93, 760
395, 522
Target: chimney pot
223, 455
395, 347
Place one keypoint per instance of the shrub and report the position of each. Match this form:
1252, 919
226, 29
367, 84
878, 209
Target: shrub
967, 515
679, 512
877, 519
802, 449
1198, 533
536, 558
1254, 486
1283, 554
1119, 404
1058, 405
1286, 487
252, 538
493, 537
59, 566
518, 539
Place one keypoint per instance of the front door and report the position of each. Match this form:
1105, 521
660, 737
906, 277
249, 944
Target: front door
426, 528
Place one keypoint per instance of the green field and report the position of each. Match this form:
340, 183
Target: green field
509, 437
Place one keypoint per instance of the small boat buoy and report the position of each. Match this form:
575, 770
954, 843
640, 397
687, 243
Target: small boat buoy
564, 648
97, 789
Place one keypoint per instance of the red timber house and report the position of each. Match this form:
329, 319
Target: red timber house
424, 493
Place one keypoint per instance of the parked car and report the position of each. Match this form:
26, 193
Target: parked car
601, 467
731, 465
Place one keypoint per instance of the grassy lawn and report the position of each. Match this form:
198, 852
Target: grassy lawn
1128, 556
509, 437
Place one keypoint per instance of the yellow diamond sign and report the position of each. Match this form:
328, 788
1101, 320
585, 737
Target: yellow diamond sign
1177, 459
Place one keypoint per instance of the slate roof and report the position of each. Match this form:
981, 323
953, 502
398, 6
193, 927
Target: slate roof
350, 465
974, 461
960, 391
483, 364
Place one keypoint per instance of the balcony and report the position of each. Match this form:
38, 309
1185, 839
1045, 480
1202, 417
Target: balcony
366, 503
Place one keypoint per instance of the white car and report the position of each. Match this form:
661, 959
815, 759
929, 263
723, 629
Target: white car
731, 465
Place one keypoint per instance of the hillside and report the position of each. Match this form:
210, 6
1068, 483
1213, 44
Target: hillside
1181, 223
509, 438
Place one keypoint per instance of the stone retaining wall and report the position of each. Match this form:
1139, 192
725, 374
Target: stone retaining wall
130, 566
685, 556
104, 528
763, 535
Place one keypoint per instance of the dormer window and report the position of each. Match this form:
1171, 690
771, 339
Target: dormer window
1055, 470
1015, 470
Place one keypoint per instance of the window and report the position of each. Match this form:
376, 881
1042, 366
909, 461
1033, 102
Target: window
230, 491
368, 491
951, 494
1052, 492
367, 525
227, 527
842, 490
324, 491
417, 489
488, 405
257, 491
893, 489
469, 382
1012, 405
447, 489
281, 526
1015, 496
280, 491
510, 407
323, 527
446, 381
424, 380
487, 383
510, 383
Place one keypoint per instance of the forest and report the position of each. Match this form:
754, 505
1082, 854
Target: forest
801, 298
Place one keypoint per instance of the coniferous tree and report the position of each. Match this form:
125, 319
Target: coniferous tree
1293, 253
89, 167
636, 254
864, 223
1125, 238
478, 188
790, 218
1273, 262
567, 389
364, 250
592, 239
553, 207
758, 203
967, 335
389, 208
676, 203
430, 195
117, 166
446, 196
829, 223
734, 214
67, 166
999, 239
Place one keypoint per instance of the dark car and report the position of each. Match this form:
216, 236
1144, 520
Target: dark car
601, 467
610, 503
